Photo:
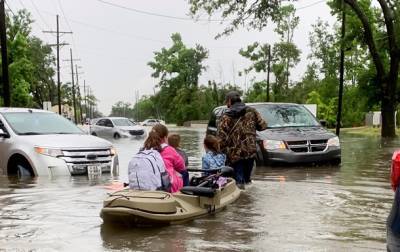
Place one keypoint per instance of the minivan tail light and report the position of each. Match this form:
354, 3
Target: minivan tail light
395, 170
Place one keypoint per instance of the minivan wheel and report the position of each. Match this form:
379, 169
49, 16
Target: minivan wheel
336, 161
117, 136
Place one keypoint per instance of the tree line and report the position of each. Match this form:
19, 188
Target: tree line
371, 64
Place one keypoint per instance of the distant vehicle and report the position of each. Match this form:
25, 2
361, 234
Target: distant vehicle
38, 142
293, 136
152, 122
116, 127
393, 221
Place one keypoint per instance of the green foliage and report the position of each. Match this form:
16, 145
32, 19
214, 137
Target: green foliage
258, 54
30, 64
255, 15
122, 109
178, 69
178, 66
326, 110
20, 71
257, 93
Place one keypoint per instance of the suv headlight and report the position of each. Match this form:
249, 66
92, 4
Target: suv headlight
49, 152
334, 142
274, 145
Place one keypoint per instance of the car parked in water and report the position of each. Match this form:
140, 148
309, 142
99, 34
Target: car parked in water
293, 135
152, 122
116, 127
38, 142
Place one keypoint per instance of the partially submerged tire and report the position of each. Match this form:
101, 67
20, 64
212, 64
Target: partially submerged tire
117, 136
18, 166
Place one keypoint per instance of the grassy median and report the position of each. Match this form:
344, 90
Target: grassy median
364, 131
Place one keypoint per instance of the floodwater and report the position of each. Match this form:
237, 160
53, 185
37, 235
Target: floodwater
323, 208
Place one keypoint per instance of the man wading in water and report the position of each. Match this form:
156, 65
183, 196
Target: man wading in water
237, 132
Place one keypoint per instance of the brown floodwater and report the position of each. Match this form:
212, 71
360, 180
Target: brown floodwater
325, 208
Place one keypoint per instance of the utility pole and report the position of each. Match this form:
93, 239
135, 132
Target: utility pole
73, 83
341, 77
85, 98
4, 58
268, 70
91, 102
58, 61
79, 92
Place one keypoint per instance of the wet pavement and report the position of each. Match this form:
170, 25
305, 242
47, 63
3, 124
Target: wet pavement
326, 208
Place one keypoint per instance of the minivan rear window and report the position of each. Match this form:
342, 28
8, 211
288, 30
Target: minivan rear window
286, 115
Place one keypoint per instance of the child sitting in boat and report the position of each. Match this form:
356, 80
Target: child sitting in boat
174, 163
146, 170
174, 141
213, 158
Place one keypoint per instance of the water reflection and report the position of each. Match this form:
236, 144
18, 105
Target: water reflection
334, 208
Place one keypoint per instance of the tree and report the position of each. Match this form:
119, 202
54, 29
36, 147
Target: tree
20, 67
256, 92
42, 85
286, 52
260, 55
255, 14
178, 68
30, 63
381, 34
123, 109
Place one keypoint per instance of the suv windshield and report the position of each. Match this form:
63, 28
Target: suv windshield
26, 123
286, 115
122, 122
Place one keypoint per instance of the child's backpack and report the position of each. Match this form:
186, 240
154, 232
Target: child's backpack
146, 171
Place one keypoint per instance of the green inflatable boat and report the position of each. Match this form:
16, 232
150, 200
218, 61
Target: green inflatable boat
132, 207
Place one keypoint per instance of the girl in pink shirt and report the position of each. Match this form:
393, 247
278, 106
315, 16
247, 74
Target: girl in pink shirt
174, 163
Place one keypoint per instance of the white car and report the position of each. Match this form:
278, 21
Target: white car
116, 127
152, 122
37, 142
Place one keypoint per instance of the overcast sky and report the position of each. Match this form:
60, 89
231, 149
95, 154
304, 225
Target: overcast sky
115, 44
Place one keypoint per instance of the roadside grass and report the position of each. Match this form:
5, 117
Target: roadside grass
364, 131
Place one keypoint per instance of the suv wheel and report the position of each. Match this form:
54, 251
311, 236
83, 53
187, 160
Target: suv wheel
20, 167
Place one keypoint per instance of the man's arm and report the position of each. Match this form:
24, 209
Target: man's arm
261, 124
222, 131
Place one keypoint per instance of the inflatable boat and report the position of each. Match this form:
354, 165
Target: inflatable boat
144, 208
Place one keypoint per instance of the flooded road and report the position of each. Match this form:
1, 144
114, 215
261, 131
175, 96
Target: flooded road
286, 209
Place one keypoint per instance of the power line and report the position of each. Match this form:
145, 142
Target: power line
157, 14
69, 26
186, 18
8, 6
310, 5
36, 23
40, 15
105, 29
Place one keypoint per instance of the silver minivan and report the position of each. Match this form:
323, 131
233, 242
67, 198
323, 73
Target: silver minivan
40, 142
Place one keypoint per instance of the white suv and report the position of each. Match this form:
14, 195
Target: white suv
41, 143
